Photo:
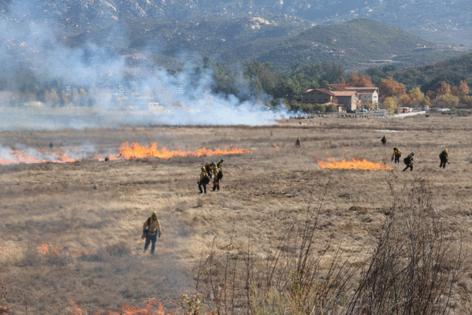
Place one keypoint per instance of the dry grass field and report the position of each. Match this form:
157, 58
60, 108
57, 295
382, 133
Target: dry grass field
70, 233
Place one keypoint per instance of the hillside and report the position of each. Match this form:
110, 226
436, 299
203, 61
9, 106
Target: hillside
286, 43
453, 70
230, 33
436, 20
356, 43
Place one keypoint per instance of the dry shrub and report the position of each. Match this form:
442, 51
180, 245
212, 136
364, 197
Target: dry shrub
4, 309
415, 264
293, 279
412, 270
191, 304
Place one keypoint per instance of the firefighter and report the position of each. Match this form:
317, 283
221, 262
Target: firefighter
384, 140
209, 169
204, 180
217, 175
151, 231
397, 154
409, 161
444, 158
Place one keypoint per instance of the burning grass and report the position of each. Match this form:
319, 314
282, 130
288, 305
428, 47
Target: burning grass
152, 307
137, 151
11, 156
46, 249
127, 151
191, 305
355, 164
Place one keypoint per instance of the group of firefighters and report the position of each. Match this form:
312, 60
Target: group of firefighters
409, 159
152, 227
214, 171
208, 172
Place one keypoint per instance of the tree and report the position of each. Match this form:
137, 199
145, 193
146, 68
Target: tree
263, 79
467, 100
224, 80
406, 100
390, 87
360, 80
462, 89
446, 100
390, 104
332, 72
443, 88
417, 96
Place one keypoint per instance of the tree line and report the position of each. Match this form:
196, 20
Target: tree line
445, 84
416, 87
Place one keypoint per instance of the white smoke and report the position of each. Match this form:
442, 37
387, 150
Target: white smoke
99, 86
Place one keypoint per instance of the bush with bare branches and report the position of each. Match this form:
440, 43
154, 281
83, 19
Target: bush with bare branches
294, 279
412, 270
415, 264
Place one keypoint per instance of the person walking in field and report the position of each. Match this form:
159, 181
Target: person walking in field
409, 161
151, 231
444, 158
203, 181
384, 140
397, 154
217, 175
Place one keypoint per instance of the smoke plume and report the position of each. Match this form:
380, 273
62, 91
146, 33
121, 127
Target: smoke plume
48, 83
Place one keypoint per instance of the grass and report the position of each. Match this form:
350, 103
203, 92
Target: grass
92, 212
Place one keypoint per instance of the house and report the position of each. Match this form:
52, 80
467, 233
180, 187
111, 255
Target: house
347, 100
368, 96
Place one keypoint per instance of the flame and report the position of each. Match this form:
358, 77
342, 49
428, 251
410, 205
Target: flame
152, 307
15, 156
126, 151
138, 151
46, 249
354, 164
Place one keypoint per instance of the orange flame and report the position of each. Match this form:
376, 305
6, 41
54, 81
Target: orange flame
362, 165
138, 151
152, 307
46, 249
23, 157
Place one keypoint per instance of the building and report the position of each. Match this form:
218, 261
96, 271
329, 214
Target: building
368, 96
346, 100
350, 98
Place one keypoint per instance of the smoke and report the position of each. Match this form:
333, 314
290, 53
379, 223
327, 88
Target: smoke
48, 84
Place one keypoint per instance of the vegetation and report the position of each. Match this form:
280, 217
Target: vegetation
445, 84
288, 44
412, 270
415, 87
